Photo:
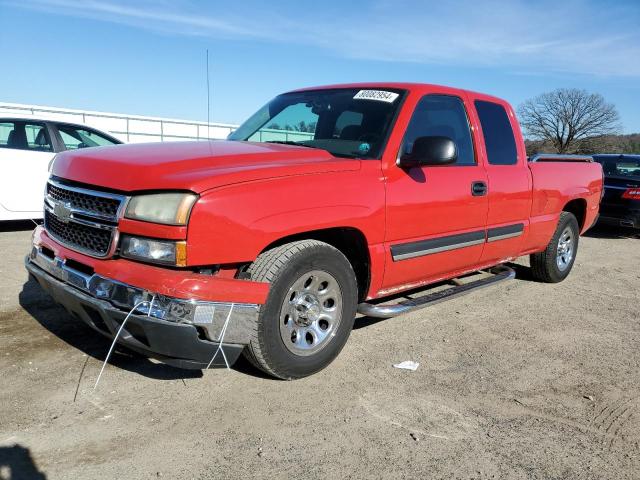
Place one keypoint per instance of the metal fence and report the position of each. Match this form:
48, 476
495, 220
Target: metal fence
128, 128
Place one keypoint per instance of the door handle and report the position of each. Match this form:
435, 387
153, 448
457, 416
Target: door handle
478, 189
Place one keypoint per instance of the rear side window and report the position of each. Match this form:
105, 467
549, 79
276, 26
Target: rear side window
24, 135
498, 134
441, 115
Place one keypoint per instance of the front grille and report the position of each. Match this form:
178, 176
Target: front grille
82, 219
92, 240
85, 201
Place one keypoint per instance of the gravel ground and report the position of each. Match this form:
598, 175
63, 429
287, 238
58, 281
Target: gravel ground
522, 380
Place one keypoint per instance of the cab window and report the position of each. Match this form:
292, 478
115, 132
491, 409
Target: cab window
498, 134
348, 125
441, 116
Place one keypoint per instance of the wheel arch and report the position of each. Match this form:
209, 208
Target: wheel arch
350, 241
577, 207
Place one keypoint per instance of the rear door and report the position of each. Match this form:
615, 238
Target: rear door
509, 180
435, 220
25, 153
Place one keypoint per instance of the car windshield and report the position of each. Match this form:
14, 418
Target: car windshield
347, 122
622, 166
78, 137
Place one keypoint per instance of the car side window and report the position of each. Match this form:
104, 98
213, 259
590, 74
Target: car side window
498, 134
5, 130
24, 135
441, 115
77, 137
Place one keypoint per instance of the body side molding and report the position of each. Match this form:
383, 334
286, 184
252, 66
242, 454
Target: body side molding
502, 233
435, 245
405, 251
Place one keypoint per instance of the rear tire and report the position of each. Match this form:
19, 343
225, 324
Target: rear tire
309, 311
555, 263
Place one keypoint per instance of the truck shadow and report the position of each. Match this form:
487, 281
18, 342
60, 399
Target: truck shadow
75, 333
16, 463
612, 232
523, 272
245, 367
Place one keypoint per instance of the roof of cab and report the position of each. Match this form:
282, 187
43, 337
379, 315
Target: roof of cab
409, 86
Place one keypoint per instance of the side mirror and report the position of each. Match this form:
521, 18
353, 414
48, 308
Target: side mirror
430, 151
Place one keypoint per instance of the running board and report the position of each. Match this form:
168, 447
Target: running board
501, 273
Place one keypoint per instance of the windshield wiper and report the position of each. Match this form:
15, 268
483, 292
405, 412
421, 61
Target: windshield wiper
289, 142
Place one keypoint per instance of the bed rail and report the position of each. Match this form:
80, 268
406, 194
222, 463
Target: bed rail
557, 157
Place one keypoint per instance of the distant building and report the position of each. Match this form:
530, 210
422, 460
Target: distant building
128, 128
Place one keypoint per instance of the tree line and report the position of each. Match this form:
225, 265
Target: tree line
629, 144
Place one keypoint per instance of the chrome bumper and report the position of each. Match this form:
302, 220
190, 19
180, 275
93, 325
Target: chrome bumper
209, 316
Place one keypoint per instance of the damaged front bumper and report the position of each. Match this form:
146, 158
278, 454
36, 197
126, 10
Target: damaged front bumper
180, 332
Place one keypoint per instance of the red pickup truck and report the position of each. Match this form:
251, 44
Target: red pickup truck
326, 202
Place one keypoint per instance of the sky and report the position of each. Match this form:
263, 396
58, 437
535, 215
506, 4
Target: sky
149, 57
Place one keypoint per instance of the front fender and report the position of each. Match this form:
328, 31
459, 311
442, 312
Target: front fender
233, 224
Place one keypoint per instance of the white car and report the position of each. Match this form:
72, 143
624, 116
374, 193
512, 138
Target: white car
27, 147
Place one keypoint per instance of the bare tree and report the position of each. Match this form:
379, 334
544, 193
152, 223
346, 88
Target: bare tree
564, 117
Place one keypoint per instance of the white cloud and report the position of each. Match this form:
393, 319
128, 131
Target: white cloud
573, 36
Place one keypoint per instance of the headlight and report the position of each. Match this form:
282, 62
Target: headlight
165, 252
167, 208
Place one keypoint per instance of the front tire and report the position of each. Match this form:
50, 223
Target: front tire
309, 311
555, 263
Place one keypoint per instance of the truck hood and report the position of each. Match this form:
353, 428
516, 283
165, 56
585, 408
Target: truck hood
194, 166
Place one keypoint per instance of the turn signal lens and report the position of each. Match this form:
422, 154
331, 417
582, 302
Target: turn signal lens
181, 254
157, 251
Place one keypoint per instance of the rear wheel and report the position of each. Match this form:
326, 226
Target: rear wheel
309, 312
556, 261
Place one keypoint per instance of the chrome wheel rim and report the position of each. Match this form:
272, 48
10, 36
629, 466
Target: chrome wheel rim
311, 313
565, 249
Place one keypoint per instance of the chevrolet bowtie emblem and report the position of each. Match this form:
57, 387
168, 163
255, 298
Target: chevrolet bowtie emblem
62, 210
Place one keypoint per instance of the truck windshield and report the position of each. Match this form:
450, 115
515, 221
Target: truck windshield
347, 122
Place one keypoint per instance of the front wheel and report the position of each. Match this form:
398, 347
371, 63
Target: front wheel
309, 311
556, 261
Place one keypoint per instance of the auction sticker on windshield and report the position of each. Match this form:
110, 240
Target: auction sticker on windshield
379, 95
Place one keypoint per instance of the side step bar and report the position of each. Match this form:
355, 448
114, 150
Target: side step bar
501, 273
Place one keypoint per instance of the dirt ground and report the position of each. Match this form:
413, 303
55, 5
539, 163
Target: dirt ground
521, 380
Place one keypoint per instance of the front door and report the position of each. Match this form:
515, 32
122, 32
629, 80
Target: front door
436, 215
